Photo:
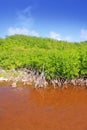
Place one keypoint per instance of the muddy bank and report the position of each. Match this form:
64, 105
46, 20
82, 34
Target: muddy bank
25, 77
43, 109
30, 85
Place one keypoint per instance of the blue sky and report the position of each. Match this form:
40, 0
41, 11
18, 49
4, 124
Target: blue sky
58, 19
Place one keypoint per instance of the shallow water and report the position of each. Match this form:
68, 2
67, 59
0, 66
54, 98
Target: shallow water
43, 109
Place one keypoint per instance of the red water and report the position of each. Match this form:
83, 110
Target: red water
43, 109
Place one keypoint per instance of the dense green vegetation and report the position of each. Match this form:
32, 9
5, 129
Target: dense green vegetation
55, 58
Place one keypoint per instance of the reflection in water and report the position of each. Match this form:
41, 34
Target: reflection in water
43, 109
58, 97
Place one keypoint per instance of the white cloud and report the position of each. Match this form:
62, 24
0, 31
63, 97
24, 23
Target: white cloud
83, 34
34, 33
25, 31
68, 38
23, 24
55, 35
24, 17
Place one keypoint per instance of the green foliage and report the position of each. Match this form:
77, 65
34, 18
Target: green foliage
55, 58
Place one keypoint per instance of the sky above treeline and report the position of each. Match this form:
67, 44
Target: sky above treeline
57, 19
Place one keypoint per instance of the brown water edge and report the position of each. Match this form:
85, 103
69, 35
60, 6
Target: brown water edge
19, 84
29, 84
43, 109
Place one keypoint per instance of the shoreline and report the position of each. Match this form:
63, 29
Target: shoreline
29, 85
25, 77
13, 84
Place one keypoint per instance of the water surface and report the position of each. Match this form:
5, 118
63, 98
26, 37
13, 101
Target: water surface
43, 109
